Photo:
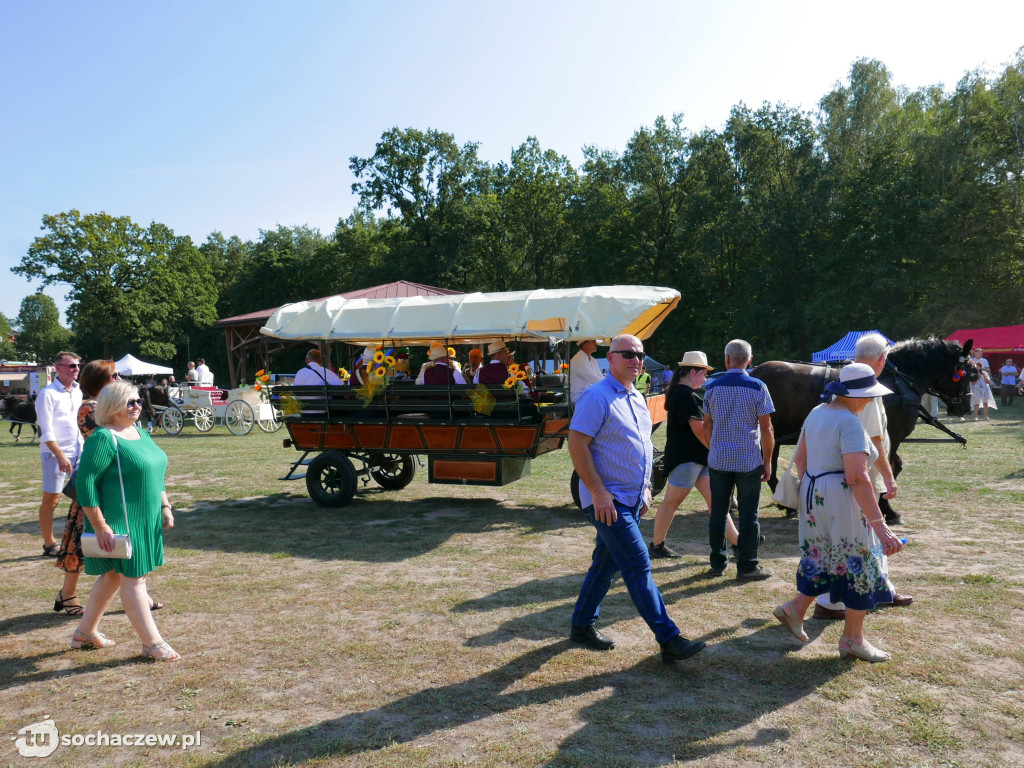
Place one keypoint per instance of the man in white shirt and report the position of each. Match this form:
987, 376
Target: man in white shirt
583, 369
204, 373
60, 442
314, 374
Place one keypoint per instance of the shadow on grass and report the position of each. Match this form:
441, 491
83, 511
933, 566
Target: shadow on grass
650, 714
363, 531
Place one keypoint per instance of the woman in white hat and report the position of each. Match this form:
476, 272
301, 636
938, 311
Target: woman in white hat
685, 461
843, 536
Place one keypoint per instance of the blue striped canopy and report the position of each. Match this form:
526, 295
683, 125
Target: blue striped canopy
843, 349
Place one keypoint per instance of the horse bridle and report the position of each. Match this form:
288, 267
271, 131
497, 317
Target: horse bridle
903, 379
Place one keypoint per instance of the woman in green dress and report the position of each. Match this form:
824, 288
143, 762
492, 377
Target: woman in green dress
142, 466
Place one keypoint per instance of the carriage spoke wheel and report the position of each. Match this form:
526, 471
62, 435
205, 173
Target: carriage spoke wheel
203, 418
172, 420
331, 480
272, 424
239, 417
393, 471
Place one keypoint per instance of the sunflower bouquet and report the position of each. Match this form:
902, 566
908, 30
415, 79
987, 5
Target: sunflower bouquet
517, 377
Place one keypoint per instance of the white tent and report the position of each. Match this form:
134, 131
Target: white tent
132, 366
567, 314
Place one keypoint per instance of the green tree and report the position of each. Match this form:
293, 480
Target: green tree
127, 285
7, 351
41, 335
437, 202
532, 239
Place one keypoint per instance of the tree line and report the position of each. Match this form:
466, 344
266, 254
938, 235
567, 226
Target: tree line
884, 208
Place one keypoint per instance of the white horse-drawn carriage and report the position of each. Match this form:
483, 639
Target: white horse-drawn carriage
238, 409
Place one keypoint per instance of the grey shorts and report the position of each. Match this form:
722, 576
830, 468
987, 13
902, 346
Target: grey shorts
687, 474
53, 479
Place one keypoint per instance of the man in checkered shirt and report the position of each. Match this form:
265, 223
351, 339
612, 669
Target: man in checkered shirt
738, 427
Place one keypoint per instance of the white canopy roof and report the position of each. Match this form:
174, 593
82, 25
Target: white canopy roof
132, 366
568, 314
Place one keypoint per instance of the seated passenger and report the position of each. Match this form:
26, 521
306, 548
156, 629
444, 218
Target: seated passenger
314, 374
361, 366
496, 371
476, 359
439, 370
584, 371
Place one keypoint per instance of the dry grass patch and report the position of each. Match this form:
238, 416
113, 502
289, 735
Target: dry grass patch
427, 628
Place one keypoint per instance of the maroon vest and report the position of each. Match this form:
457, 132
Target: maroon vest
439, 373
493, 373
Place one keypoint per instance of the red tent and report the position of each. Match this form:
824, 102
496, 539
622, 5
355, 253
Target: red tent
997, 343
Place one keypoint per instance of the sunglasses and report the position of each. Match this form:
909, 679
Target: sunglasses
70, 365
133, 403
115, 376
627, 354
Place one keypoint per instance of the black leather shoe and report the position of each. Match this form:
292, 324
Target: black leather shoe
679, 648
758, 574
591, 638
662, 551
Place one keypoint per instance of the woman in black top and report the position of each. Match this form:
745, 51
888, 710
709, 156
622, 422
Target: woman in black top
686, 453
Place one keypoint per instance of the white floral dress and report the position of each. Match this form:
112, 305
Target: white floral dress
840, 555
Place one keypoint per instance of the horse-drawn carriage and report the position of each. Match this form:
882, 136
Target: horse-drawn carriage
470, 434
238, 409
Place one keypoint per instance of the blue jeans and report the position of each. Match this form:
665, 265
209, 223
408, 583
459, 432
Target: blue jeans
621, 547
748, 495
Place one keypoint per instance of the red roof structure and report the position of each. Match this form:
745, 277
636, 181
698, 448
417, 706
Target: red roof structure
997, 343
242, 332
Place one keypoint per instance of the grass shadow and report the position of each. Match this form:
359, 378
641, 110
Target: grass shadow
670, 719
362, 531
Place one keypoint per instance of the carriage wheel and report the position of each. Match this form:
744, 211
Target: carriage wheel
331, 480
203, 418
172, 420
239, 417
574, 488
393, 471
272, 424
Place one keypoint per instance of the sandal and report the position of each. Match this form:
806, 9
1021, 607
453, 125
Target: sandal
90, 640
61, 603
791, 621
51, 550
154, 605
160, 652
867, 652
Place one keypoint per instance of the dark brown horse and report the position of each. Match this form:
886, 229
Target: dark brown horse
914, 367
20, 412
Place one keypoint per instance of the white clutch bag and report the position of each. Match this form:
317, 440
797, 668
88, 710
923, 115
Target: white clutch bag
122, 547
122, 541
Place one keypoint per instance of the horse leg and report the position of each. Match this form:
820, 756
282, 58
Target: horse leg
892, 517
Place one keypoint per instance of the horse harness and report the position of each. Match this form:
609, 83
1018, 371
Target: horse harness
907, 395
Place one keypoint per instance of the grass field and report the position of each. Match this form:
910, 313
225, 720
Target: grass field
427, 627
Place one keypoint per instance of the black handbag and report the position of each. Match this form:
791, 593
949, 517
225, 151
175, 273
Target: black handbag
69, 487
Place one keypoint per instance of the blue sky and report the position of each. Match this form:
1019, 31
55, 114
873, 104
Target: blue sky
239, 116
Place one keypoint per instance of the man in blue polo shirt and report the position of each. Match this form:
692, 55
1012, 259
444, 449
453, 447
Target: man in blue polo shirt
738, 427
611, 449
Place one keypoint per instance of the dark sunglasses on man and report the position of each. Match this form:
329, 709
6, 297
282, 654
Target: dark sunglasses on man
627, 354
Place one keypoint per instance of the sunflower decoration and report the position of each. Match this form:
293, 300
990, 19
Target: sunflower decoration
367, 392
564, 367
290, 406
344, 375
510, 382
482, 399
379, 357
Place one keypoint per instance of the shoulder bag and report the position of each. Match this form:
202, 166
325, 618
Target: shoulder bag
122, 542
787, 492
